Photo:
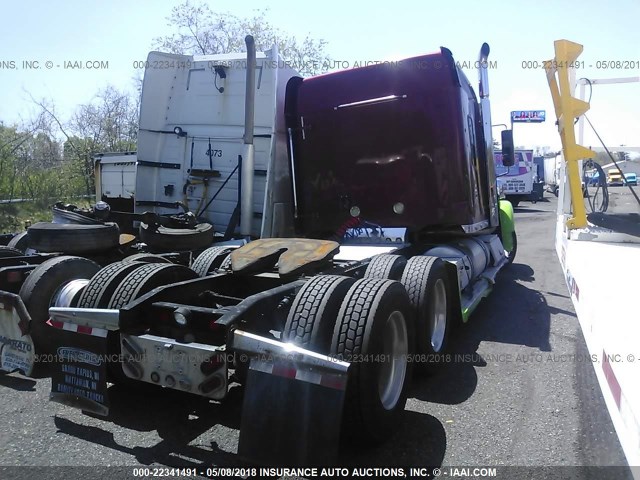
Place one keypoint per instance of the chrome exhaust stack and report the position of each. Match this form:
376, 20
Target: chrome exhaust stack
485, 111
246, 194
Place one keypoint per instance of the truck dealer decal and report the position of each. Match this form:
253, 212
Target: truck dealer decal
80, 375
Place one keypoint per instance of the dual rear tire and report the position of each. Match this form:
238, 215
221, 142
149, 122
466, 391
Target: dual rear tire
380, 326
119, 284
428, 286
368, 323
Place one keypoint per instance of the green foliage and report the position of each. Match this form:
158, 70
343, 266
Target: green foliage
31, 166
37, 165
14, 217
201, 31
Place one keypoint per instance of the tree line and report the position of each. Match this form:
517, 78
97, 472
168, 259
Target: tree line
49, 158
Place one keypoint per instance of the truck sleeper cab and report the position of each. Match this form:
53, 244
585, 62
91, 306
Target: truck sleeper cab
400, 144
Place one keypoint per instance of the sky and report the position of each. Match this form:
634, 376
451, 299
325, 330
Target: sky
120, 33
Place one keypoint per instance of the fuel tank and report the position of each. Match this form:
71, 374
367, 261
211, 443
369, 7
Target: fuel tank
398, 144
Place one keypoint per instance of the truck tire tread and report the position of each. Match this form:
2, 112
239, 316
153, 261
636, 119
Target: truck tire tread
99, 290
145, 278
312, 316
385, 267
419, 275
210, 260
364, 418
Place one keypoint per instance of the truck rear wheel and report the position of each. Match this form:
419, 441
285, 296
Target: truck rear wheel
374, 332
99, 290
385, 267
145, 278
210, 260
312, 317
138, 282
39, 292
425, 279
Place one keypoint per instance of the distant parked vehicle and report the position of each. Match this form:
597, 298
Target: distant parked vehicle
631, 178
614, 177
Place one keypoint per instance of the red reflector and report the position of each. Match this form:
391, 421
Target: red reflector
284, 371
85, 330
334, 382
614, 385
55, 323
13, 277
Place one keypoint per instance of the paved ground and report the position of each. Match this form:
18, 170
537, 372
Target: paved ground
622, 200
519, 393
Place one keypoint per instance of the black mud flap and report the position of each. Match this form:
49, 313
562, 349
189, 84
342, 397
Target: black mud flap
291, 415
17, 352
79, 378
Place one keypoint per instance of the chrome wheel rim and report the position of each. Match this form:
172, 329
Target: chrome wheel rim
438, 321
393, 368
67, 292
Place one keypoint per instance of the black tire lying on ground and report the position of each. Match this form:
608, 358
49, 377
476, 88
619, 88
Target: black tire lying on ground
172, 239
73, 238
38, 291
312, 317
374, 331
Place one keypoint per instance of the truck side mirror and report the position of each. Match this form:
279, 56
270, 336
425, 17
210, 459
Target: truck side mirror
507, 148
